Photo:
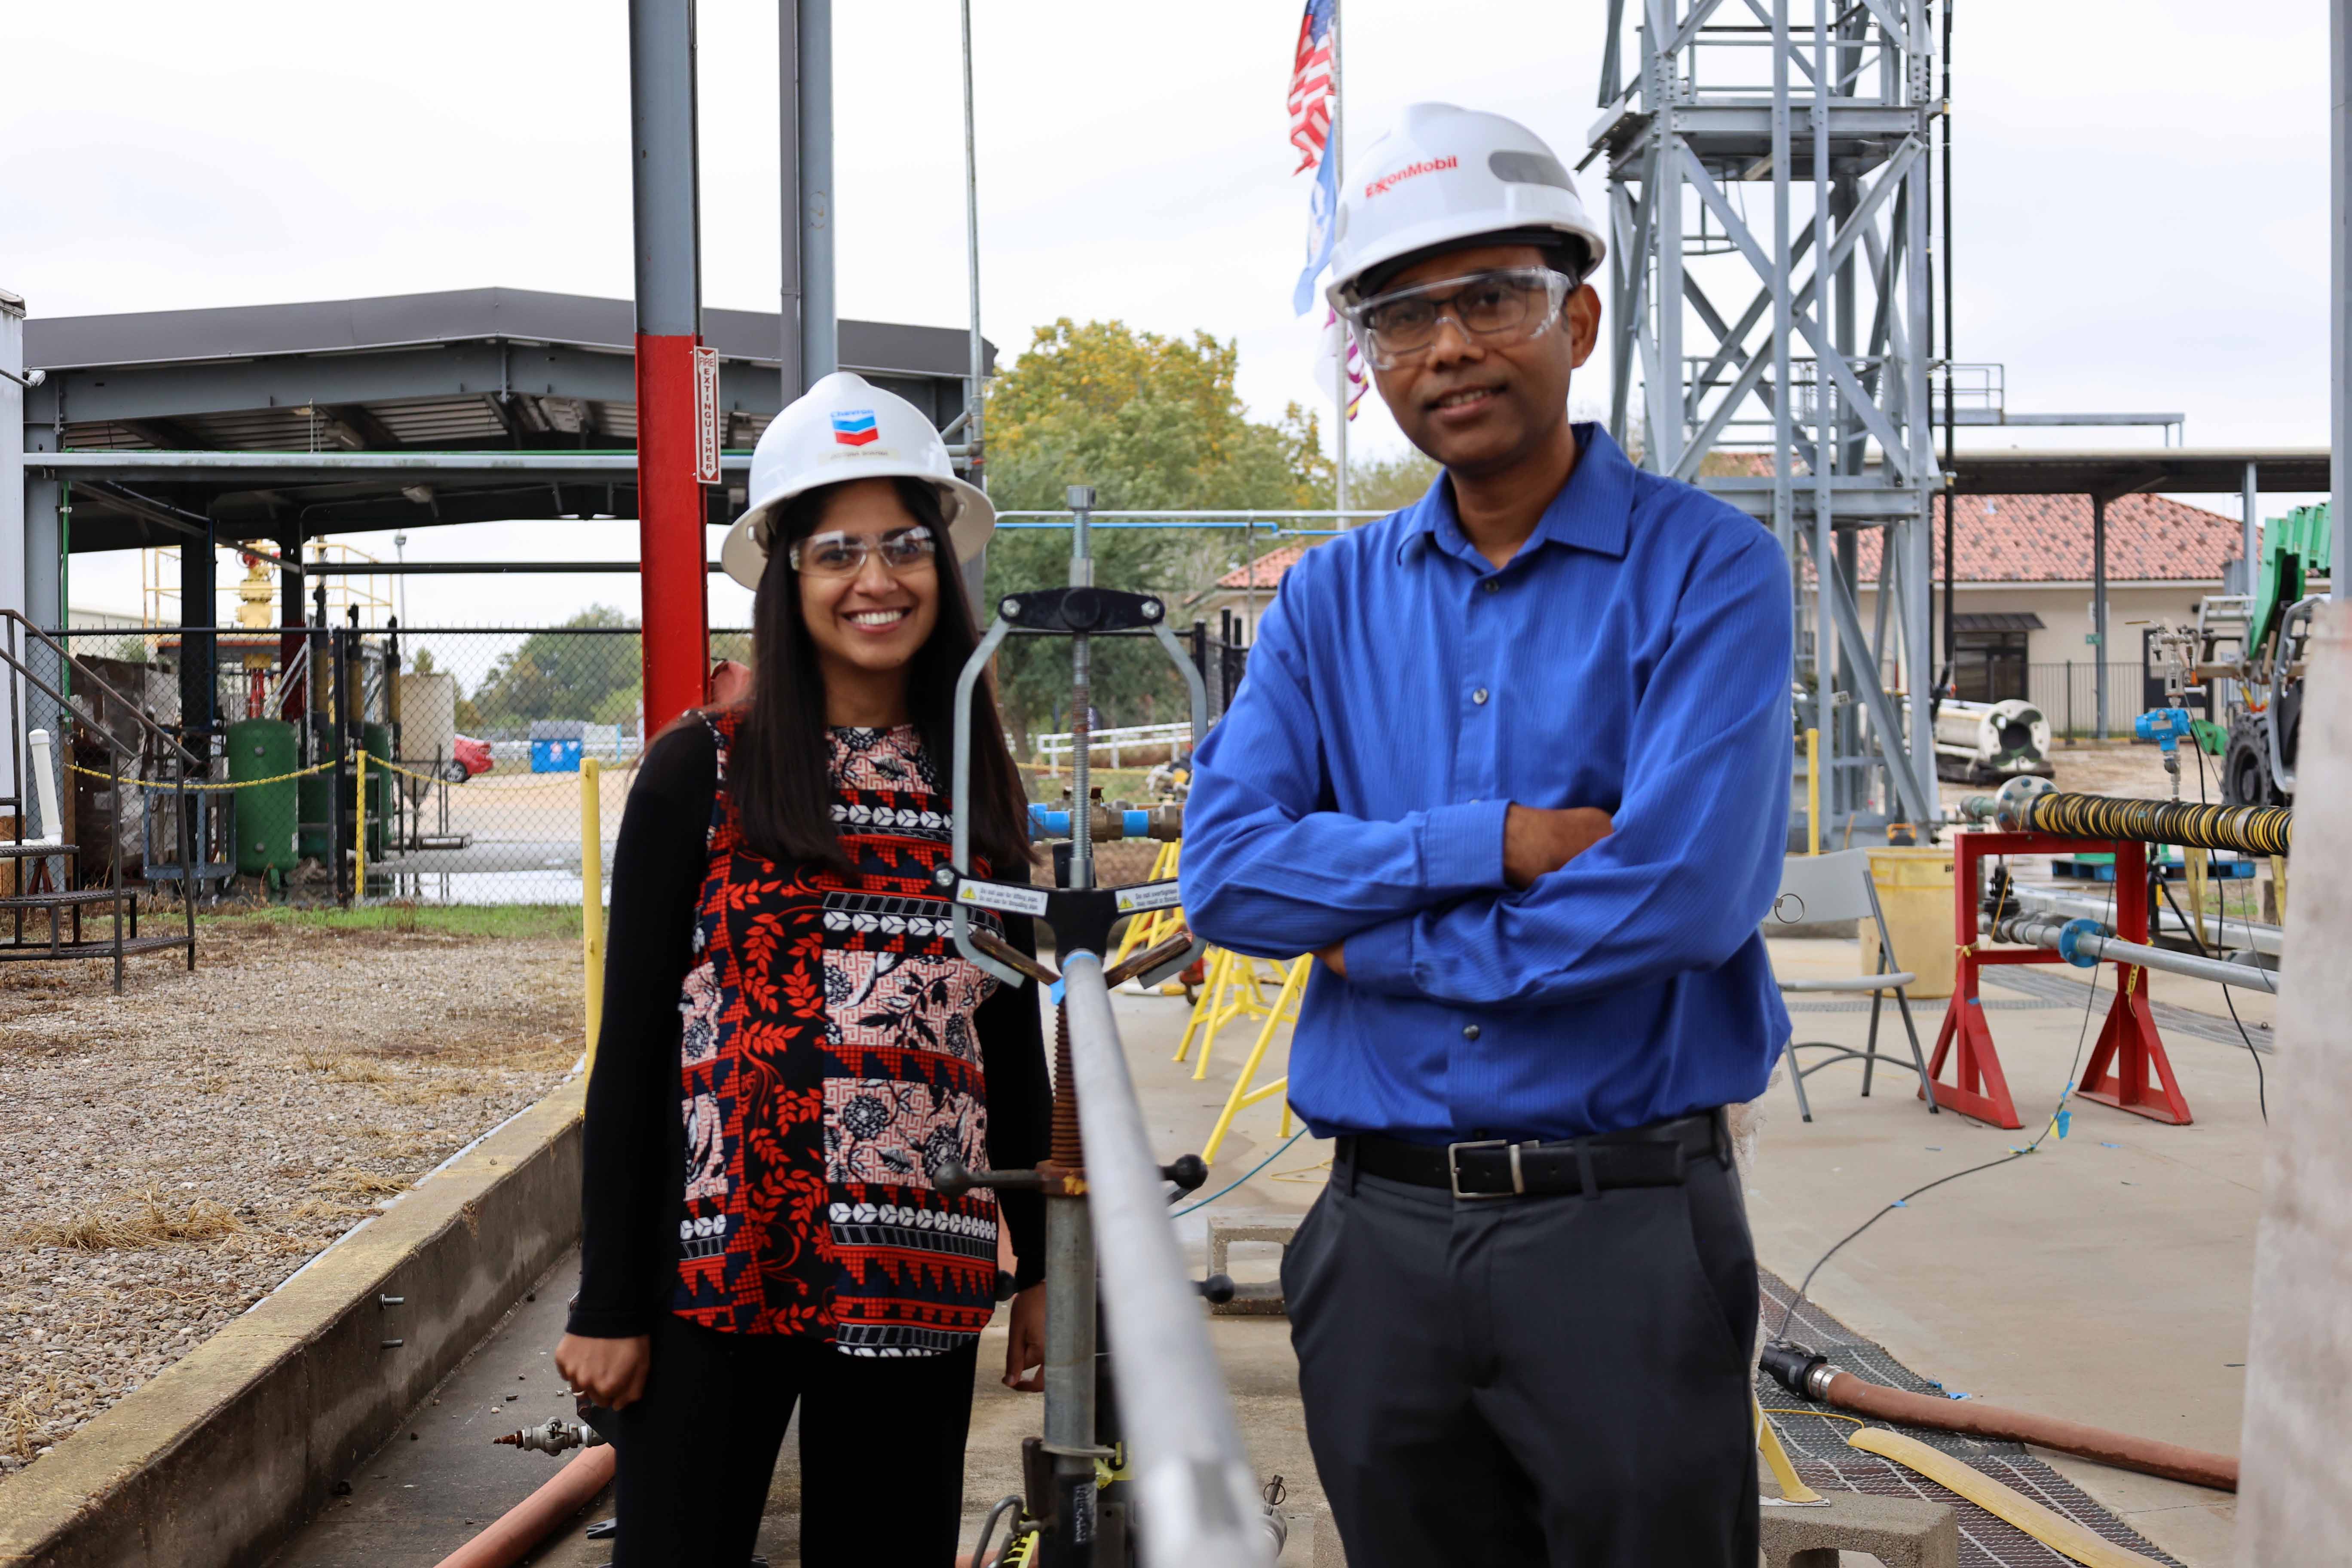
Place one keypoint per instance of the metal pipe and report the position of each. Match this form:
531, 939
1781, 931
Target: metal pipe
1810, 1377
976, 461
2099, 610
594, 465
1082, 576
2247, 829
2249, 522
511, 1537
1070, 1350
2084, 942
788, 166
2219, 932
820, 307
1196, 1499
664, 184
1334, 149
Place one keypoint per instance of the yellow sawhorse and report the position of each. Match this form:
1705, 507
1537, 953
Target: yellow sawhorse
1149, 929
1284, 1011
1235, 988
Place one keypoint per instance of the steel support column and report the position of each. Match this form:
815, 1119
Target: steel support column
820, 305
199, 660
2099, 613
12, 504
2340, 254
2250, 522
669, 318
788, 166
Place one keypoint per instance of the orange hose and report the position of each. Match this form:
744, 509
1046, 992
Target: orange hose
524, 1526
2146, 1455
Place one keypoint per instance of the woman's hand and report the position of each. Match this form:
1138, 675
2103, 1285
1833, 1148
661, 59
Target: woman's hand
610, 1372
1025, 1346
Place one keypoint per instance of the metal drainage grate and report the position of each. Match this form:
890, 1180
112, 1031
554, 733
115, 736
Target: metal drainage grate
1817, 1444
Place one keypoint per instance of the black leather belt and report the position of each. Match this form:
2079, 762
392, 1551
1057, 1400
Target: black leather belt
1658, 1156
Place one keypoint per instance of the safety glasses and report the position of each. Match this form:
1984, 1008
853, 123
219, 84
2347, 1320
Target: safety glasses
837, 554
1504, 306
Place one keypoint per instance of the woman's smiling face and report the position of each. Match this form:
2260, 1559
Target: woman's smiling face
870, 621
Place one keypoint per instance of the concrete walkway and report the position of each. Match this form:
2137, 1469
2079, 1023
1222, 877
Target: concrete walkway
2103, 1278
420, 1498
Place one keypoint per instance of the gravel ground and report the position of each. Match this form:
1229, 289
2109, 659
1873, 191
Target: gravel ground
171, 1155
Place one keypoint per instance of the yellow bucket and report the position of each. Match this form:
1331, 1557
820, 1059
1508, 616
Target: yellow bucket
1915, 893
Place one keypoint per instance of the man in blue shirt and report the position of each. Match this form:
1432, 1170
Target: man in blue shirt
1514, 764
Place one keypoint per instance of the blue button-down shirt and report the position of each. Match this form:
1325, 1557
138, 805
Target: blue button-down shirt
1633, 655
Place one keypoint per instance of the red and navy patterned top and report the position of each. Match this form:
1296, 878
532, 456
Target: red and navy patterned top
828, 1058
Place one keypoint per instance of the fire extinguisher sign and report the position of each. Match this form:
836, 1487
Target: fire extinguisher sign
706, 415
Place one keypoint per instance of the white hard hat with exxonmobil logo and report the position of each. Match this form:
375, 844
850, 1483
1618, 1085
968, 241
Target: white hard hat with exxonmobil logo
844, 428
1443, 175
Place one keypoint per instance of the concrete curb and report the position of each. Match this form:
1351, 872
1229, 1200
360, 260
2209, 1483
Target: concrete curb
218, 1460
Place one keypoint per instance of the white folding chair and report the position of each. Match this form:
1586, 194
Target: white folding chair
1816, 887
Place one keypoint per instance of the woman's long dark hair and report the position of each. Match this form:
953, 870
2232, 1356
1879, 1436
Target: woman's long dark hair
777, 766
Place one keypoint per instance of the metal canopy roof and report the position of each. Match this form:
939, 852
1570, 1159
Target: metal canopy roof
2170, 469
468, 370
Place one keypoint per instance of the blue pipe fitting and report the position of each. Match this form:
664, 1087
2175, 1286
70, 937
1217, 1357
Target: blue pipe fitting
2072, 931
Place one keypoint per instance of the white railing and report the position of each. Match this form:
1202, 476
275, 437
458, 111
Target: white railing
1055, 750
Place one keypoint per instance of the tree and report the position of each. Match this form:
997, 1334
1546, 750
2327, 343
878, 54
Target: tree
1153, 424
1388, 484
560, 674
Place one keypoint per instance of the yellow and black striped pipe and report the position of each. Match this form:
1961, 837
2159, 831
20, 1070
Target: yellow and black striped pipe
2247, 829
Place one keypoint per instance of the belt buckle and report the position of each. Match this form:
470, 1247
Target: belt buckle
1454, 1170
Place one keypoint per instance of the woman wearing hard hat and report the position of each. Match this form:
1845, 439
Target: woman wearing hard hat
790, 1044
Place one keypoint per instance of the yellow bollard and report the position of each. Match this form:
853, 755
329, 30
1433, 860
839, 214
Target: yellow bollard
592, 899
1812, 792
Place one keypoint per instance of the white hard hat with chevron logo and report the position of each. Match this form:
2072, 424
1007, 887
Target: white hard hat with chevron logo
844, 428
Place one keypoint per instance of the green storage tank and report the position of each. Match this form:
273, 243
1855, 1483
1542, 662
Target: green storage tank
317, 799
377, 741
264, 815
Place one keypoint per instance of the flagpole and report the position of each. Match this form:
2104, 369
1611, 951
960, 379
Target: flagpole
1339, 174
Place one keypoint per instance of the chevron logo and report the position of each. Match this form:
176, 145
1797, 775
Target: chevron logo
855, 427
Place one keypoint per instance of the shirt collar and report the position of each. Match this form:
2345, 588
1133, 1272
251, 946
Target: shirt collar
1590, 512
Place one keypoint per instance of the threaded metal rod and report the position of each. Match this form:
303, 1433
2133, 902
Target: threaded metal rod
2247, 829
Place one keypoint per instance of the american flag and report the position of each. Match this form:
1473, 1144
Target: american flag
1310, 83
1340, 345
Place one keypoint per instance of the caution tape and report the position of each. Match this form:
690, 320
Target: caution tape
230, 785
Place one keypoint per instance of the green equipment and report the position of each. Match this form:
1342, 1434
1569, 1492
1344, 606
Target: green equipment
2255, 641
263, 757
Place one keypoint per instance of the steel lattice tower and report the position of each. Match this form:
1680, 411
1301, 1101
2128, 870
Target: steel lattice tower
1759, 378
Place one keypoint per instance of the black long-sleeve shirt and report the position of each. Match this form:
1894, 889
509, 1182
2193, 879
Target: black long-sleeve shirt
634, 1140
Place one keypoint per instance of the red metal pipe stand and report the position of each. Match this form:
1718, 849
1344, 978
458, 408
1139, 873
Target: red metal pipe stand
2118, 1073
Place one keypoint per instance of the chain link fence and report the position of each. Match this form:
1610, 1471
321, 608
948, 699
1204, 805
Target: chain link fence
432, 764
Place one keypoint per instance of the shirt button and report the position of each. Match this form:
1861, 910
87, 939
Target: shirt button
1493, 585
1479, 697
1469, 1031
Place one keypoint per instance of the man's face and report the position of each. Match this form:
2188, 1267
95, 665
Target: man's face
1479, 406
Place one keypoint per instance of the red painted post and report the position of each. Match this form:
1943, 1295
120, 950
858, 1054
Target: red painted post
667, 229
669, 530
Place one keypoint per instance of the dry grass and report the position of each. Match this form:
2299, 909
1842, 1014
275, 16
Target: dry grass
148, 1224
361, 1184
344, 1069
19, 1423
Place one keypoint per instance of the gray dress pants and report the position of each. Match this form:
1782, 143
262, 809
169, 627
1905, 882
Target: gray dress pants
1561, 1381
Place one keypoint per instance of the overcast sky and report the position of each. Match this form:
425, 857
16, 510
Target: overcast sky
2141, 190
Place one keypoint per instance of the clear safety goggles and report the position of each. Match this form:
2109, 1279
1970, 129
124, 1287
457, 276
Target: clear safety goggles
1502, 308
837, 554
